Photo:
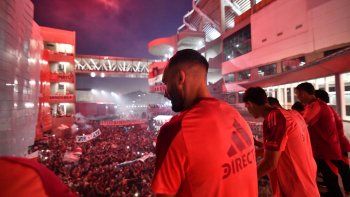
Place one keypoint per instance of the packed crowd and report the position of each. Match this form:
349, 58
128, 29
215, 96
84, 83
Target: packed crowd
100, 170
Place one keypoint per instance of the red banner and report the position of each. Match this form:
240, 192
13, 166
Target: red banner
121, 122
55, 77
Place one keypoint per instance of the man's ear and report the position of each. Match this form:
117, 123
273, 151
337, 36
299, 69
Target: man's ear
182, 77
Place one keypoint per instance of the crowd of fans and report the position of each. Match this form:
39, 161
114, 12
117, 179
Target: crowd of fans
100, 170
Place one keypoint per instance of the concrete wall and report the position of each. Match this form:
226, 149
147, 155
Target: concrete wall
288, 28
20, 51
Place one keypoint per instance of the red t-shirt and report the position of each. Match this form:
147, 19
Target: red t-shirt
344, 142
206, 151
323, 131
24, 177
286, 131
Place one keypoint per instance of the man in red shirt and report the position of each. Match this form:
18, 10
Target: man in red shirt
323, 134
288, 158
343, 166
207, 149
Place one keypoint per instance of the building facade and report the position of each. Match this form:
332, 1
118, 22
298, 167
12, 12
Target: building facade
275, 44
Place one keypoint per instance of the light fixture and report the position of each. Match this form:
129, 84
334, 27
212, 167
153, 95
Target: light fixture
93, 74
103, 75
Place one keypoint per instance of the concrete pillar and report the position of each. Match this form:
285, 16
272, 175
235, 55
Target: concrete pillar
339, 89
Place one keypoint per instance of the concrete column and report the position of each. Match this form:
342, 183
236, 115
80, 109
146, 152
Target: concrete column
339, 89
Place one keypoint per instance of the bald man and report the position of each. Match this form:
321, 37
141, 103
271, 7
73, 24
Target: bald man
207, 149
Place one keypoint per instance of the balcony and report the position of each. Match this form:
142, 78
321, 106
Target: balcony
158, 89
59, 98
62, 77
53, 56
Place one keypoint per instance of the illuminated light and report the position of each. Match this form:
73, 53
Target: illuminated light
103, 92
127, 147
138, 152
32, 82
93, 74
103, 75
136, 194
15, 82
93, 91
10, 84
229, 56
237, 45
115, 106
106, 107
139, 95
302, 64
43, 62
15, 105
28, 105
133, 101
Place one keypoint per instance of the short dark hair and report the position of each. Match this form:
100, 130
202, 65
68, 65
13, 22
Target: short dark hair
188, 56
323, 95
307, 87
298, 106
273, 101
255, 95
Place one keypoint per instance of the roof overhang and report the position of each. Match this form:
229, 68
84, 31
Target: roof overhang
334, 64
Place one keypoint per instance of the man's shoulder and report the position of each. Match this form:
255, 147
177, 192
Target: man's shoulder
207, 108
276, 116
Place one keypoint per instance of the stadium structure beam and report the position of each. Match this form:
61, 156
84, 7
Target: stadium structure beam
207, 18
234, 6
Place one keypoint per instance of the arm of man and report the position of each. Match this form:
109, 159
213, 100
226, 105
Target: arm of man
269, 162
275, 140
171, 163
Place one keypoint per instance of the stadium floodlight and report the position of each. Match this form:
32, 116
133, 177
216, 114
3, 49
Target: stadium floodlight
28, 105
103, 75
93, 74
32, 82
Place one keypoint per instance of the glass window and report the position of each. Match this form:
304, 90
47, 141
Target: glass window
292, 63
267, 70
346, 105
240, 97
229, 78
289, 95
239, 43
244, 75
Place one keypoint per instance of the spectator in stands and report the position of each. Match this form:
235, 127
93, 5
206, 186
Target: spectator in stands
323, 134
195, 150
288, 158
344, 169
274, 102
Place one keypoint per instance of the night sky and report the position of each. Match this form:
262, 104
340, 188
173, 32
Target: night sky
120, 28
113, 27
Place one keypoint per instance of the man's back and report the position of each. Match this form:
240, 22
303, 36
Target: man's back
323, 130
295, 175
211, 153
